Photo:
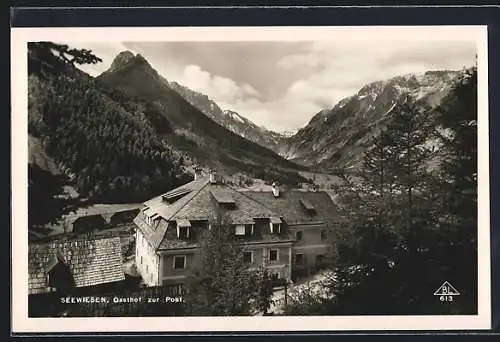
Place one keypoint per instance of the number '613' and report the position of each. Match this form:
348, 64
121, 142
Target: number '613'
446, 298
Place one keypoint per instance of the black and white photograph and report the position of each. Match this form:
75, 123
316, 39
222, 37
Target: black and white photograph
313, 173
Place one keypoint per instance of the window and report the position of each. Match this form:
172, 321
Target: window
183, 232
323, 235
275, 276
183, 226
274, 224
249, 229
299, 259
319, 260
273, 255
141, 259
247, 257
240, 229
275, 228
146, 268
298, 235
179, 262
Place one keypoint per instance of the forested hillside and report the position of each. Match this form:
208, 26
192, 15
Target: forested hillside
109, 150
114, 145
195, 133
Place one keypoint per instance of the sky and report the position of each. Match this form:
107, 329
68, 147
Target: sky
282, 85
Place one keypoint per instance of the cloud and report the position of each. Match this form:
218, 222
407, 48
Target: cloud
220, 89
340, 69
334, 71
244, 99
281, 85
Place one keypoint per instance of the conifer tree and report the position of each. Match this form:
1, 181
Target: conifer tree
222, 284
112, 153
387, 209
458, 222
46, 198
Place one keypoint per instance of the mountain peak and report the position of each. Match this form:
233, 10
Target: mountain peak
140, 58
127, 60
122, 59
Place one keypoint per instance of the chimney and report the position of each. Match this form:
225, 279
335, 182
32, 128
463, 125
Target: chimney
198, 172
276, 190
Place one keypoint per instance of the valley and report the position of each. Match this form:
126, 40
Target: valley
139, 184
174, 129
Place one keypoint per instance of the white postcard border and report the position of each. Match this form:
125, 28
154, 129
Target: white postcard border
19, 150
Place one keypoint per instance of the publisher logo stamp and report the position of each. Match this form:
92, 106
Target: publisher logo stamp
446, 292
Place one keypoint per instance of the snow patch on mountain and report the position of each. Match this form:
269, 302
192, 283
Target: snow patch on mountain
337, 136
390, 109
229, 119
234, 116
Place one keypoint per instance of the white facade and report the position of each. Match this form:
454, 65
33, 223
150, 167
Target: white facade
147, 261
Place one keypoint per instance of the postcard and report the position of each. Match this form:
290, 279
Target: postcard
189, 179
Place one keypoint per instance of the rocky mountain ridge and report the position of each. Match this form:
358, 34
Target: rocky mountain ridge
229, 119
220, 139
338, 136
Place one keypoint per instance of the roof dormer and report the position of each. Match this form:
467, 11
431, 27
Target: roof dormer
308, 207
223, 198
183, 228
275, 225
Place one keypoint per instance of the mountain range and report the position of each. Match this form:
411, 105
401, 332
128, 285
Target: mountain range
126, 135
189, 129
335, 137
229, 119
338, 136
215, 137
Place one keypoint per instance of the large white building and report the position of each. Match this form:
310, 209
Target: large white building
286, 231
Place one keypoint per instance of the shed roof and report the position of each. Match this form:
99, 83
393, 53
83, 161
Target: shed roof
275, 220
183, 223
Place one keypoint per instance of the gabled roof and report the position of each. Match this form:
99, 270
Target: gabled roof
199, 204
167, 210
91, 262
203, 205
202, 199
